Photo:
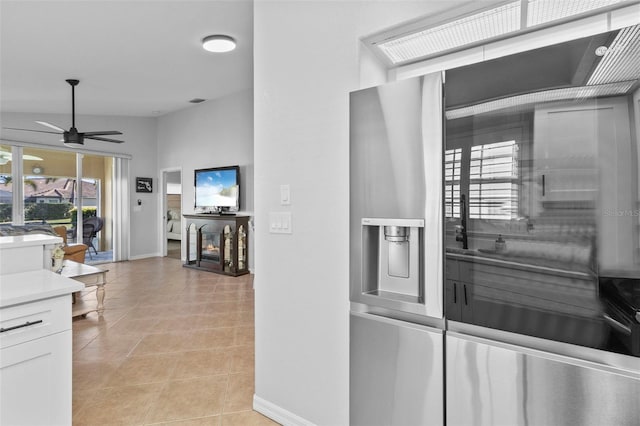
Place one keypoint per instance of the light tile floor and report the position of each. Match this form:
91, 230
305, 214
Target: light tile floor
174, 346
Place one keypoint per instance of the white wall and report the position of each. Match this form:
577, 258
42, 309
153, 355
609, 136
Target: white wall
139, 135
214, 133
307, 58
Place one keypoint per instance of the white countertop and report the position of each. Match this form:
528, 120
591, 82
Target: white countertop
28, 240
29, 286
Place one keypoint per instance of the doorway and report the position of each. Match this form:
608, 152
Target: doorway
172, 229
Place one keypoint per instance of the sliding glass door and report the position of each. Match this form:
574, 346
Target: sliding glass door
6, 184
61, 188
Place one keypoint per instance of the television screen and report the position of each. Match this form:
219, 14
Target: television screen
218, 189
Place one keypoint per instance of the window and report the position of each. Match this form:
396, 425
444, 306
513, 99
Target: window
452, 166
493, 186
6, 184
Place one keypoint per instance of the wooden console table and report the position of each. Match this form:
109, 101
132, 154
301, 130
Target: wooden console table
90, 276
218, 243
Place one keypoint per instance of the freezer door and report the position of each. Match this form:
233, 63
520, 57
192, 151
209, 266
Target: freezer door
493, 383
396, 171
396, 372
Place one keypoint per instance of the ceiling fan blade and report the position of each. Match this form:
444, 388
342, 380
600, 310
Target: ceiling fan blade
97, 138
102, 133
52, 126
30, 130
12, 141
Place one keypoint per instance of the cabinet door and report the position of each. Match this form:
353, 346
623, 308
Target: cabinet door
565, 150
466, 300
35, 382
452, 295
492, 383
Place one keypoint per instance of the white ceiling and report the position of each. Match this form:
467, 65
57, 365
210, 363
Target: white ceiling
133, 58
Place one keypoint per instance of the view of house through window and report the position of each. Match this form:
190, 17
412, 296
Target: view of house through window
6, 204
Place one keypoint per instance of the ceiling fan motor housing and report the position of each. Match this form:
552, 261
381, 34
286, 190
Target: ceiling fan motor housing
73, 137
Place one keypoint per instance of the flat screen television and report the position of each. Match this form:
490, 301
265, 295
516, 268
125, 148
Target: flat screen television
217, 190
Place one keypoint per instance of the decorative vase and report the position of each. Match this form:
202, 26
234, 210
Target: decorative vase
57, 264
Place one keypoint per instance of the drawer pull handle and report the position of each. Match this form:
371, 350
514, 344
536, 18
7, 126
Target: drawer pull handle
26, 324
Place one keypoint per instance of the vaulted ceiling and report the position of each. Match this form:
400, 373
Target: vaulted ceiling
133, 58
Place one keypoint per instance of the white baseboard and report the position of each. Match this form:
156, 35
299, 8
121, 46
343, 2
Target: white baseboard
277, 413
144, 256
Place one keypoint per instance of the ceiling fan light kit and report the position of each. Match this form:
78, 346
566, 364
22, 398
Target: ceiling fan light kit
218, 43
73, 137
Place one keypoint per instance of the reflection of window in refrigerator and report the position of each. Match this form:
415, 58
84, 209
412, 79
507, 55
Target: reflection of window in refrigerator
452, 165
493, 181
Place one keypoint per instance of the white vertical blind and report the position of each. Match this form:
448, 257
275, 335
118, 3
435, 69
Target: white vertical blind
121, 222
17, 215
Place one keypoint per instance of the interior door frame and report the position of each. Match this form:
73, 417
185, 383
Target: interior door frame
163, 209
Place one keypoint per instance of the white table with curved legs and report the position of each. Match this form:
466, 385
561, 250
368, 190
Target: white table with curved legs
90, 276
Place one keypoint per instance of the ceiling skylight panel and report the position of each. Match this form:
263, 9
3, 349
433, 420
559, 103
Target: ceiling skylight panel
542, 11
475, 25
465, 31
621, 60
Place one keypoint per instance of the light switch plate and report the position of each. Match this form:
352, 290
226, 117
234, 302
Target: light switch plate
280, 222
285, 195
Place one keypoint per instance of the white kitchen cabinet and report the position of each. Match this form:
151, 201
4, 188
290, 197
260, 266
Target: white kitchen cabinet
583, 164
35, 337
565, 151
35, 382
29, 252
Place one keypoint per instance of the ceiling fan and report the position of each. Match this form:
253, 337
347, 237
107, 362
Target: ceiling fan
73, 136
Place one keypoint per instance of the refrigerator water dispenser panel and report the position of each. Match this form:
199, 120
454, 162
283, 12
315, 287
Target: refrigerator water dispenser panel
397, 246
391, 258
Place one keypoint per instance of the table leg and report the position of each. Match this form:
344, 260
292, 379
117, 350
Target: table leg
100, 297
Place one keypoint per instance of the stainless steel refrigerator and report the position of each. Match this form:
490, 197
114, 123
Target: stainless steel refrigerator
542, 235
396, 254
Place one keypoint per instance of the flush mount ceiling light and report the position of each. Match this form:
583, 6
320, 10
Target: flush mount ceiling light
470, 26
218, 43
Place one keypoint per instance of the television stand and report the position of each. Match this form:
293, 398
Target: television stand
218, 243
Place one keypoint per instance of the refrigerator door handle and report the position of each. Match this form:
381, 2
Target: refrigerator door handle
433, 148
455, 293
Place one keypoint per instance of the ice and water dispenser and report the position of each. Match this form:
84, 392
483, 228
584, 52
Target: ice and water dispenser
391, 254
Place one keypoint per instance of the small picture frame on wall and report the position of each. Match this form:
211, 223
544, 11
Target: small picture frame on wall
144, 184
